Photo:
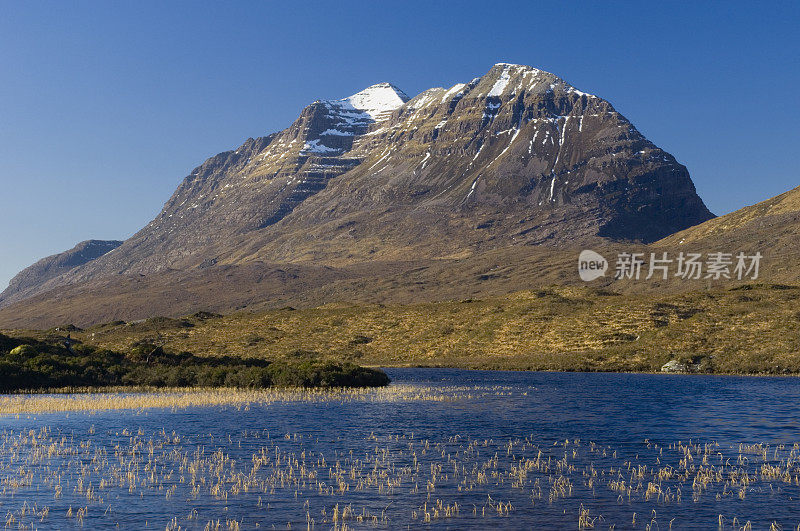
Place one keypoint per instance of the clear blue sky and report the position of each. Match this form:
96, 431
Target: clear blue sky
106, 106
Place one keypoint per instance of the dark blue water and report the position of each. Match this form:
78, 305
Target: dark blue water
524, 450
624, 408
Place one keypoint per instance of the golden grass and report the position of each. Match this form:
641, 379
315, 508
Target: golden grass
182, 398
752, 330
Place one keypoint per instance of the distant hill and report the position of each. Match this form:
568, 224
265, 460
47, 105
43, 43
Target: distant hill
771, 228
771, 220
29, 280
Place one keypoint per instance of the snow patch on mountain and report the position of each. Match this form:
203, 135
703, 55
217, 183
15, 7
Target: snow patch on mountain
314, 146
501, 83
455, 89
378, 101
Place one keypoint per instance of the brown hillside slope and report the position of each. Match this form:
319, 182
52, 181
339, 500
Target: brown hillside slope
771, 227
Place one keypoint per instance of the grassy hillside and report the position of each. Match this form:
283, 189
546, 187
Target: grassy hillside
776, 211
751, 328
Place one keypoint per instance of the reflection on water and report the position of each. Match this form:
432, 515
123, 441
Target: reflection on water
445, 448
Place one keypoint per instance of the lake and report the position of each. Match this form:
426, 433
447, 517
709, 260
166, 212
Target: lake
444, 448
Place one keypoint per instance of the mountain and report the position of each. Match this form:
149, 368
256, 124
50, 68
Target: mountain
29, 279
515, 158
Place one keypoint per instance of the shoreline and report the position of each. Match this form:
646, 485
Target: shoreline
566, 371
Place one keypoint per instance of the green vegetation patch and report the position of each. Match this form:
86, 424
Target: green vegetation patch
30, 364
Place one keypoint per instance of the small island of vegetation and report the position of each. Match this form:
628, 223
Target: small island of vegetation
28, 364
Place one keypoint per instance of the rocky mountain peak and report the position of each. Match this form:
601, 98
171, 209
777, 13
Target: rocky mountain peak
327, 127
507, 79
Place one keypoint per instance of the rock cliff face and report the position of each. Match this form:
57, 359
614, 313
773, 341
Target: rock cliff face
29, 279
515, 157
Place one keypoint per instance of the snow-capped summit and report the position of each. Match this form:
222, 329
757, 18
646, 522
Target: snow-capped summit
377, 100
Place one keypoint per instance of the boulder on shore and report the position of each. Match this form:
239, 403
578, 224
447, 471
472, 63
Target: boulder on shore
674, 366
